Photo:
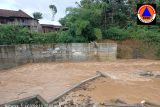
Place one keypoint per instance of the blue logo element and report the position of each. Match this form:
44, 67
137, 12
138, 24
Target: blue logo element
146, 13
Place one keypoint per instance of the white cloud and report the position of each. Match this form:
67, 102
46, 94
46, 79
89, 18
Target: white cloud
7, 4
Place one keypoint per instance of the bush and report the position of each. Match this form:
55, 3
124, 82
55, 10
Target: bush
64, 37
98, 33
116, 33
158, 52
44, 37
151, 37
80, 39
10, 34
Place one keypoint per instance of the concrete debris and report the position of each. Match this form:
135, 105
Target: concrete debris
157, 76
147, 74
118, 101
150, 74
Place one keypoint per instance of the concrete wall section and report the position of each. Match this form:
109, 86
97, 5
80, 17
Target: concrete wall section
11, 56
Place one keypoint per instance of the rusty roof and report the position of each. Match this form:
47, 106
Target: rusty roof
12, 13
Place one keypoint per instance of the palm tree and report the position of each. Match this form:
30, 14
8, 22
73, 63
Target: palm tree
37, 15
54, 10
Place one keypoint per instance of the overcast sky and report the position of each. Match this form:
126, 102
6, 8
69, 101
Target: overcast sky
30, 6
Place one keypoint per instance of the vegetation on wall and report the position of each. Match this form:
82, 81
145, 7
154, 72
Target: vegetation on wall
10, 34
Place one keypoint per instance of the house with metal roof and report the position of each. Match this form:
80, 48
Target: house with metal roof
19, 18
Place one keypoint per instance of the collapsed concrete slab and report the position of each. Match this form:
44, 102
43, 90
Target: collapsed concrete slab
38, 100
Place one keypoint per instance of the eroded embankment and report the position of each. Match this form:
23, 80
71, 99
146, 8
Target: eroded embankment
104, 91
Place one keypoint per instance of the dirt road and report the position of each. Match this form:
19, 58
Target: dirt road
51, 79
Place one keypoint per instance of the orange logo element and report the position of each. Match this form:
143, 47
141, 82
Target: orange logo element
146, 13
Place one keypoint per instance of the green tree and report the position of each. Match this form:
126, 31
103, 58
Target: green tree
91, 18
54, 10
83, 20
37, 15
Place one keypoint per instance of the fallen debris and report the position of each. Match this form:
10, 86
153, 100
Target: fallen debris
118, 101
157, 76
147, 74
27, 102
150, 74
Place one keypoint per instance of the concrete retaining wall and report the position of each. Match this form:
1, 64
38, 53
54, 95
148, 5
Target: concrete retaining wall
12, 56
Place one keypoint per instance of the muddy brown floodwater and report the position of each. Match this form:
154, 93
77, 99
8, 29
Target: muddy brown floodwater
103, 89
51, 79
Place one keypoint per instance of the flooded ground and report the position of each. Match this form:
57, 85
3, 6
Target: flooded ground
105, 90
51, 79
